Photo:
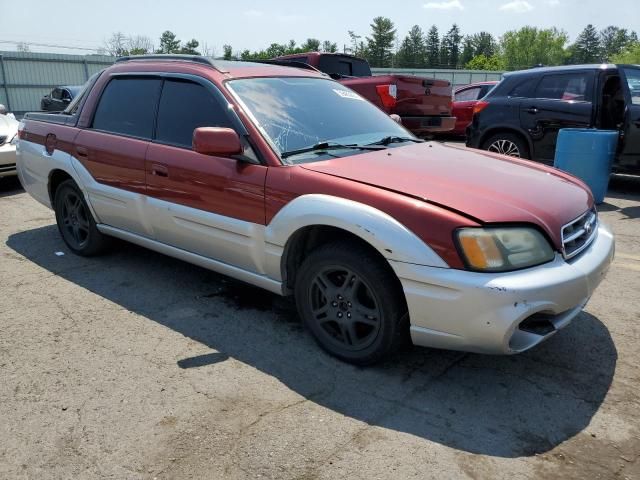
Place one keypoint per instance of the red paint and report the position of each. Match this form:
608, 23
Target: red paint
464, 110
214, 184
492, 189
429, 188
431, 223
216, 141
112, 159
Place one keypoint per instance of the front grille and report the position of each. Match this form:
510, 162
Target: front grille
3, 138
578, 234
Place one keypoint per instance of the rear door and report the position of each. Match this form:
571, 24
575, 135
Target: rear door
560, 100
209, 205
113, 151
630, 156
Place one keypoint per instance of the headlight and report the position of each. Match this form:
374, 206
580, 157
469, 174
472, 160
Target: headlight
503, 249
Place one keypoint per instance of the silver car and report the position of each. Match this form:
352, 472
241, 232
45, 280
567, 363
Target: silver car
8, 138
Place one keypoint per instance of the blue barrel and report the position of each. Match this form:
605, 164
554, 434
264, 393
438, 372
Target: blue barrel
587, 154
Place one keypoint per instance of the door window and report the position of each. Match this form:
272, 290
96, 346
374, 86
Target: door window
524, 87
185, 106
128, 106
633, 80
566, 86
468, 95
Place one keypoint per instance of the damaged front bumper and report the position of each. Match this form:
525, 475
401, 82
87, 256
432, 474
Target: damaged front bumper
502, 313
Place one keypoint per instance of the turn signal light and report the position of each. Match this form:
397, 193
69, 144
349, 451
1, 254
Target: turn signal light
481, 251
388, 95
479, 106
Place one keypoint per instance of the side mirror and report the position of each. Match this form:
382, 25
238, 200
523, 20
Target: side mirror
66, 100
223, 142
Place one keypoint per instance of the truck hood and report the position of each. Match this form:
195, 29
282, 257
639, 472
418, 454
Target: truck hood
485, 187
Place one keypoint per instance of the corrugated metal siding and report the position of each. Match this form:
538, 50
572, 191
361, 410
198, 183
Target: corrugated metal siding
456, 77
30, 76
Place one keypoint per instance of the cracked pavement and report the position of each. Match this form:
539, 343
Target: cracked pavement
134, 365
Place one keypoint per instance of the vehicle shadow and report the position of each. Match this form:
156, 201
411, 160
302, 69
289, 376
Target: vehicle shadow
499, 406
10, 186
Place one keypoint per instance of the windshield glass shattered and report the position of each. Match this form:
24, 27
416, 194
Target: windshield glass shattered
298, 114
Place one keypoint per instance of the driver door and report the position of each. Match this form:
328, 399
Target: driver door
630, 156
205, 204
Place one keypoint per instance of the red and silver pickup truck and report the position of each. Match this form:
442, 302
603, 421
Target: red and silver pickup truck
288, 180
423, 104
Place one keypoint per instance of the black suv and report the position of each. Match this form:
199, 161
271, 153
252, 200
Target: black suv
522, 115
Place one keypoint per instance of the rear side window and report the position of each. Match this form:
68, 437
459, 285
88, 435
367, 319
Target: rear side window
468, 95
344, 66
128, 107
567, 86
185, 106
524, 88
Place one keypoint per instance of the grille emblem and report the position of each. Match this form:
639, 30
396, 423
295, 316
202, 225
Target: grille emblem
588, 227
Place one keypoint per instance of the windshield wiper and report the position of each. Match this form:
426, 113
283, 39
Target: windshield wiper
330, 146
395, 139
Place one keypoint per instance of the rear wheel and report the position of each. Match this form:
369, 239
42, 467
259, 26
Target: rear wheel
506, 143
352, 303
75, 221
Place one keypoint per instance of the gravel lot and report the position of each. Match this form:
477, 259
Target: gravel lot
134, 365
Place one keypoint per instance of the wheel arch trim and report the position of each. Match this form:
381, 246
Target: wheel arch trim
389, 237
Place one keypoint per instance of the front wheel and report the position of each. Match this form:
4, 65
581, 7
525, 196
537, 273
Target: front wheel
352, 303
75, 221
507, 144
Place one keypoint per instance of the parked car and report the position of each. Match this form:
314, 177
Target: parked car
423, 104
523, 114
288, 180
8, 137
59, 98
464, 100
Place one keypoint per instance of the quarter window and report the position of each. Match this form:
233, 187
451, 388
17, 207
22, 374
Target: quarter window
468, 95
185, 106
128, 106
570, 86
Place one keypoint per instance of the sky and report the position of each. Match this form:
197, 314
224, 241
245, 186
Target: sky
255, 24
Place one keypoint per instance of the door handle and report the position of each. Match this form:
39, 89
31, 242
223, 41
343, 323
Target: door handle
532, 110
82, 152
159, 170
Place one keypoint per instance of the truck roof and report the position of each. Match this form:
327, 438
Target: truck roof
230, 69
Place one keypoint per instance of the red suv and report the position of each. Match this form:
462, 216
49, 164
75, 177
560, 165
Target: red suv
290, 181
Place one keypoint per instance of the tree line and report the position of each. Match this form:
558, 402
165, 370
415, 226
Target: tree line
516, 49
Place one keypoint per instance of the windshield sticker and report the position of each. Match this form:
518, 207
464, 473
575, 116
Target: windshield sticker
348, 94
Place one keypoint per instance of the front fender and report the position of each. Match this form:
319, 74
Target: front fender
393, 240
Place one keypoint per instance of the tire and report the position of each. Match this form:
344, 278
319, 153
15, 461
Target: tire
75, 221
352, 303
506, 143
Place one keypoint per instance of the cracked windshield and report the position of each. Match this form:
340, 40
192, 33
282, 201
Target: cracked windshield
298, 113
